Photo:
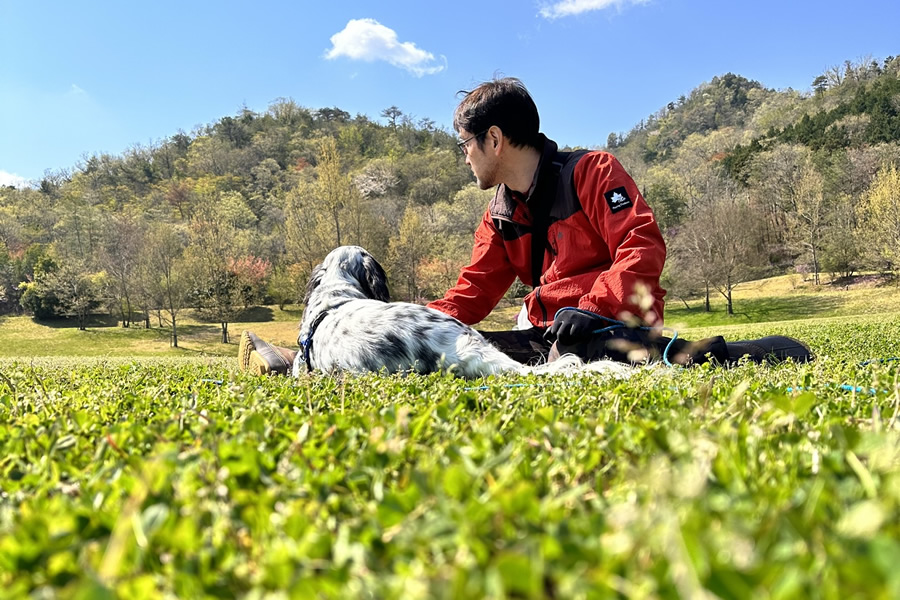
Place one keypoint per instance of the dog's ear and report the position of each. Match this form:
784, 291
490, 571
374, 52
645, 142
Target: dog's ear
374, 280
315, 278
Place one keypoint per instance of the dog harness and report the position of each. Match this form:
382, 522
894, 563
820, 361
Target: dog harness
307, 343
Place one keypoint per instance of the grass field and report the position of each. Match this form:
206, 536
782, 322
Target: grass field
128, 469
786, 298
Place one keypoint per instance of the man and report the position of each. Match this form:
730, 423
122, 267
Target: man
575, 227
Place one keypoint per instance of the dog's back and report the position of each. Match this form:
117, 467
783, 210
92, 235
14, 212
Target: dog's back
372, 336
350, 325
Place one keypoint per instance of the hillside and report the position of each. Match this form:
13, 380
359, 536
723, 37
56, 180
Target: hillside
746, 182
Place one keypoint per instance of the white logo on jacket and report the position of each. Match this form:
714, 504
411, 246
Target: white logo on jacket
618, 199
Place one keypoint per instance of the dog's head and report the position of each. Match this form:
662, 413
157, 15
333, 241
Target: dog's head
353, 266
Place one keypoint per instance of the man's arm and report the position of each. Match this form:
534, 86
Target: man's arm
483, 282
615, 207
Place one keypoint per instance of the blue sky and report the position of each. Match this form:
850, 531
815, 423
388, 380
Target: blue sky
101, 76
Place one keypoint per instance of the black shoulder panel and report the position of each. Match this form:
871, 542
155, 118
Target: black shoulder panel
567, 203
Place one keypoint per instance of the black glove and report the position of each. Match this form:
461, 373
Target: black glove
572, 326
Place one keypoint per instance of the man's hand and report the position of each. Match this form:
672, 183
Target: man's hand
573, 326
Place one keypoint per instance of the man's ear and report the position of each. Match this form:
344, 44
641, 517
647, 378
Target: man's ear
494, 139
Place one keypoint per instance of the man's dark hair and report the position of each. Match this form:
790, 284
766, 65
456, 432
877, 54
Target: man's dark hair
504, 103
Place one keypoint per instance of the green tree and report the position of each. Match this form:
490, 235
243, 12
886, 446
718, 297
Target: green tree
39, 300
216, 291
333, 188
392, 113
286, 284
77, 233
79, 290
407, 251
880, 214
71, 290
668, 205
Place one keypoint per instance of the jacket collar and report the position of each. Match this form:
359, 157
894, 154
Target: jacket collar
505, 201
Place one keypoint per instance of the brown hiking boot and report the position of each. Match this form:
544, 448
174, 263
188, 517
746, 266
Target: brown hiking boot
261, 358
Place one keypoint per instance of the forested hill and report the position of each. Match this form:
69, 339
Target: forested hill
766, 116
746, 181
238, 212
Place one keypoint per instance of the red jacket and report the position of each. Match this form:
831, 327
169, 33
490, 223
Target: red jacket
604, 244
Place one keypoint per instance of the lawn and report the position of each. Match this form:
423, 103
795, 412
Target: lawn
773, 300
173, 475
788, 297
23, 337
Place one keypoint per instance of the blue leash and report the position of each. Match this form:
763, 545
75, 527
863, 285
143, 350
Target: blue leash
847, 388
873, 361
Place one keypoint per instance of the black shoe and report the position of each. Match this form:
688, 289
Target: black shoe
772, 349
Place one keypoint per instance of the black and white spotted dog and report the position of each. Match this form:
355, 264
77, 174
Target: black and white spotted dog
349, 324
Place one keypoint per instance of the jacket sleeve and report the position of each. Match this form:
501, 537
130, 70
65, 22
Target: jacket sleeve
617, 210
483, 282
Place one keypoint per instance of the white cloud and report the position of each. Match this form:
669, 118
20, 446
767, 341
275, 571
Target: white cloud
368, 40
568, 8
7, 179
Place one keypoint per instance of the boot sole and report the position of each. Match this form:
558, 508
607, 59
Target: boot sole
245, 349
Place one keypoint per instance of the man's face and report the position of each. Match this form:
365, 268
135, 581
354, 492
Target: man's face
480, 159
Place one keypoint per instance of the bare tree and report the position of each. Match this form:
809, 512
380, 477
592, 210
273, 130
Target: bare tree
719, 245
811, 215
786, 184
122, 246
165, 273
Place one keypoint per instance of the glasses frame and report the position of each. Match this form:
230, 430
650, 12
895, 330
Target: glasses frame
464, 144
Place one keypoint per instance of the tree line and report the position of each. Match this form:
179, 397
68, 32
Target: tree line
237, 213
750, 182
745, 181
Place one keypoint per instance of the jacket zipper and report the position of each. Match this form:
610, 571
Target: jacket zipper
537, 297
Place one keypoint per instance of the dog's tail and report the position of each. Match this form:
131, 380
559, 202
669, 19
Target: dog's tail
475, 357
569, 363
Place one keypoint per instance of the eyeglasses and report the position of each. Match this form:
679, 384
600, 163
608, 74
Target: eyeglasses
464, 145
